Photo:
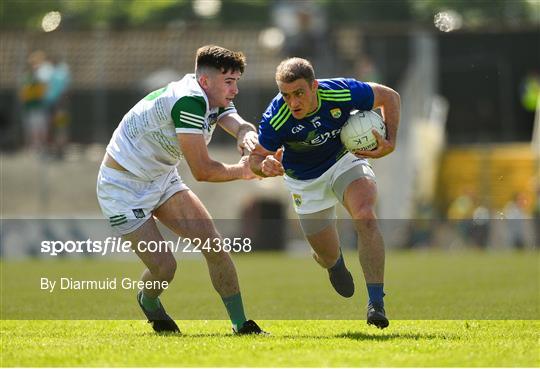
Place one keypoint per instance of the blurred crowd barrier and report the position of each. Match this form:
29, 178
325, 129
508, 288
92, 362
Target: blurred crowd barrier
459, 88
76, 238
482, 74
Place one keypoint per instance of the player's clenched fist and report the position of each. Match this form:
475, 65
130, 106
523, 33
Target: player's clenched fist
271, 166
247, 173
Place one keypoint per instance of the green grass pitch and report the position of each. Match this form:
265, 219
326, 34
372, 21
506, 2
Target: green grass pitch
446, 309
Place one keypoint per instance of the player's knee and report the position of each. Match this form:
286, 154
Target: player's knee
364, 212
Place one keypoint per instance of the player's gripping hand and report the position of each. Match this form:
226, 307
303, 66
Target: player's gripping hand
247, 173
384, 147
271, 166
246, 144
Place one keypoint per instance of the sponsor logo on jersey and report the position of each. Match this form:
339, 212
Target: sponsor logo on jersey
336, 112
297, 128
323, 137
139, 213
297, 199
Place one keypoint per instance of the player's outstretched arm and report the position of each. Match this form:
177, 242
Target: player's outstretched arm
389, 102
204, 168
244, 132
266, 163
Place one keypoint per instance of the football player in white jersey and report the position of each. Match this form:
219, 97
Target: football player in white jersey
138, 179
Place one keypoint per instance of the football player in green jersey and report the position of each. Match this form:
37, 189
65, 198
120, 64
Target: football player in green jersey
138, 179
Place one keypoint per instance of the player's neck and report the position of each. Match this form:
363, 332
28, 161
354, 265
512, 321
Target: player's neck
211, 102
314, 104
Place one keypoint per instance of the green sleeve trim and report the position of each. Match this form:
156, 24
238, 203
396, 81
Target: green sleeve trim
189, 112
152, 95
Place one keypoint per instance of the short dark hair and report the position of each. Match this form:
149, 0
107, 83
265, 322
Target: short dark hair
289, 70
219, 58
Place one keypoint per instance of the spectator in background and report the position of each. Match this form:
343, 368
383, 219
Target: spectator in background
366, 69
307, 34
421, 227
461, 212
35, 114
481, 226
536, 217
56, 101
530, 90
516, 214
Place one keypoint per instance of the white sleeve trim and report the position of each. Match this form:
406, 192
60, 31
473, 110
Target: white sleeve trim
197, 117
190, 122
226, 112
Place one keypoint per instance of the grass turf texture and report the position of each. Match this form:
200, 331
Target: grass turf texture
422, 288
293, 343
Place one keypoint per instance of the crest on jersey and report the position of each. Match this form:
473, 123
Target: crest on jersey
297, 199
139, 213
212, 119
336, 112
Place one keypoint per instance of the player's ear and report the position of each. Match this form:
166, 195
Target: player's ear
204, 81
314, 85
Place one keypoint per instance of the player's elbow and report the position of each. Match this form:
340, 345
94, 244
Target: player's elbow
203, 169
200, 175
385, 96
395, 97
390, 96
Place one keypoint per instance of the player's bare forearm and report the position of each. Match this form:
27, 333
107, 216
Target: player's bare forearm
244, 132
244, 128
216, 171
389, 102
204, 168
235, 125
391, 112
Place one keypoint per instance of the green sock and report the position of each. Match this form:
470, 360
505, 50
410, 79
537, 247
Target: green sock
150, 303
235, 308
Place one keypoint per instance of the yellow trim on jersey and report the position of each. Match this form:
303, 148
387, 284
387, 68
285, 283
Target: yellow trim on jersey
319, 102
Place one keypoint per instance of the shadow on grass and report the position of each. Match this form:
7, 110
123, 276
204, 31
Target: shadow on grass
357, 336
361, 336
187, 335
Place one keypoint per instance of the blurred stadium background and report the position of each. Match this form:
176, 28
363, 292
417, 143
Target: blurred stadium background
466, 171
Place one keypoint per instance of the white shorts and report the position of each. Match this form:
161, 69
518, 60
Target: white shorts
313, 195
128, 201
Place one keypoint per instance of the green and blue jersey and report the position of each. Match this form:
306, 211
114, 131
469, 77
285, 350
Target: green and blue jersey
312, 144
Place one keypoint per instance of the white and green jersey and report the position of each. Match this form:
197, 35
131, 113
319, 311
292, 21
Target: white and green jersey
145, 141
